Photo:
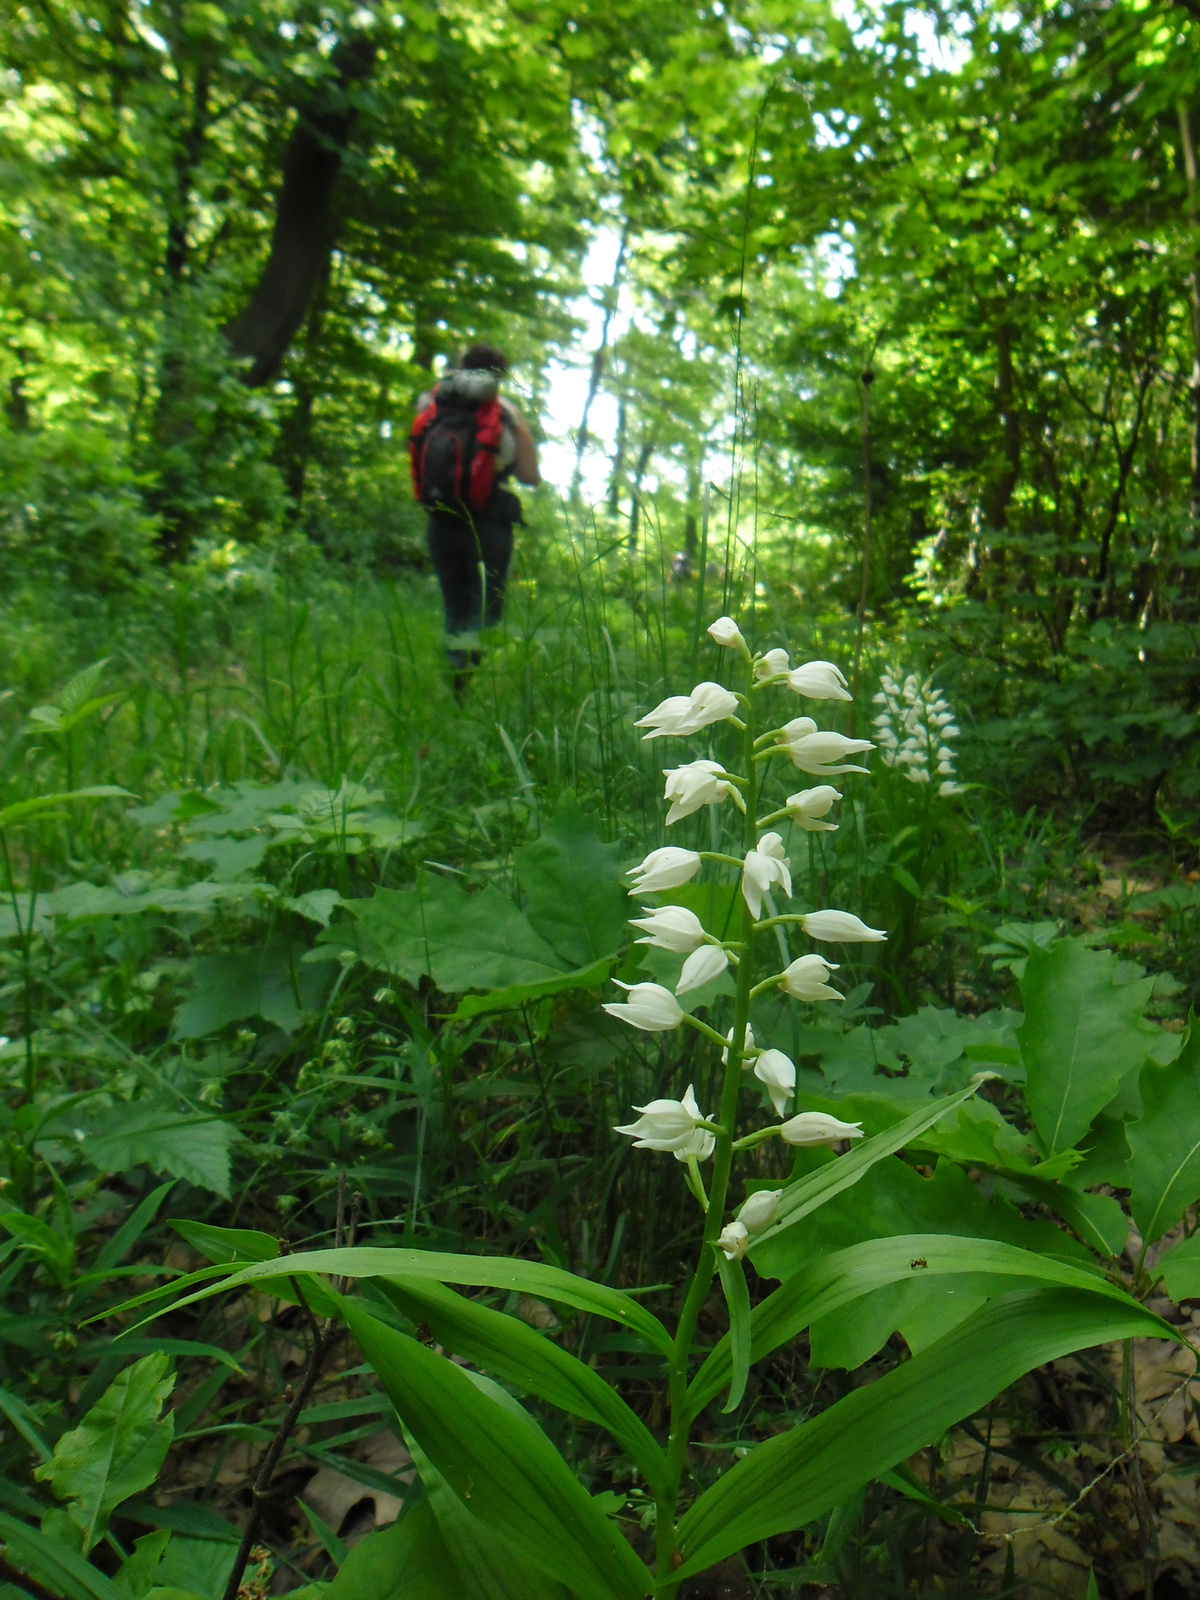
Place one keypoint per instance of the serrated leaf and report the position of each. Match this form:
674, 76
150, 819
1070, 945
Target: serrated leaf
195, 1148
116, 1450
1081, 1036
572, 884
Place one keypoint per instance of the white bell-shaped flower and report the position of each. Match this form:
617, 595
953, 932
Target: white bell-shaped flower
676, 717
701, 967
735, 1236
696, 784
650, 1007
760, 1210
819, 680
823, 753
808, 806
667, 1125
763, 867
818, 1127
805, 979
840, 927
670, 928
666, 720
778, 1073
771, 665
666, 868
725, 632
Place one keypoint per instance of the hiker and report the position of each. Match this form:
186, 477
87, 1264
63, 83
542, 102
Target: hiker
465, 444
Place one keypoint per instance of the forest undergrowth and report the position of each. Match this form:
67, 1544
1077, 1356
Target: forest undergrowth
297, 948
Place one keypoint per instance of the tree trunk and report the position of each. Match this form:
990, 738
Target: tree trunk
304, 224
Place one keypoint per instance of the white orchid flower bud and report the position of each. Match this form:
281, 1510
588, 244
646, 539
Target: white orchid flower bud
748, 1049
808, 806
818, 752
666, 868
805, 979
797, 728
671, 928
778, 1073
772, 665
760, 1210
735, 1236
667, 1125
840, 927
947, 789
725, 632
701, 967
664, 721
650, 1007
818, 1127
764, 866
696, 784
819, 680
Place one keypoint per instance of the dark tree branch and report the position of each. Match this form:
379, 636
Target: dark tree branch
304, 227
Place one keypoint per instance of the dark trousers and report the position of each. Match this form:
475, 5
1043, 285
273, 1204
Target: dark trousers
471, 559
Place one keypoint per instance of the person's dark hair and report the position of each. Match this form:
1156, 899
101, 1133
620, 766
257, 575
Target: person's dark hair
487, 356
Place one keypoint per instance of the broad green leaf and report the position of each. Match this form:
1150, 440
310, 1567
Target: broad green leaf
893, 1199
796, 1477
504, 1471
488, 1566
737, 1299
463, 941
137, 1574
818, 1188
201, 1565
515, 1352
1164, 1142
478, 1005
1081, 1036
1180, 1268
571, 878
409, 1560
847, 1276
476, 1272
116, 1450
226, 1244
56, 1566
1097, 1219
135, 1135
1093, 1593
268, 981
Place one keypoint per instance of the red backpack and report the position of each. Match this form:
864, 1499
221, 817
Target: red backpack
453, 448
